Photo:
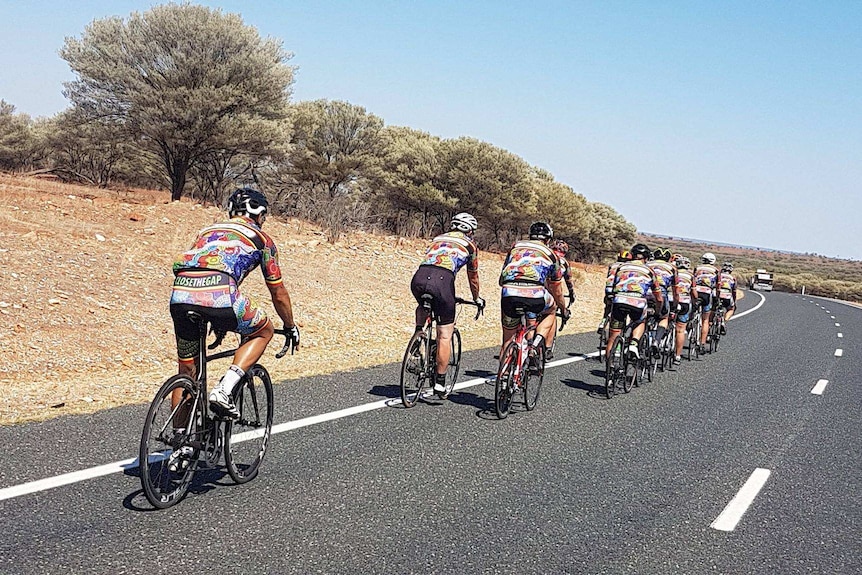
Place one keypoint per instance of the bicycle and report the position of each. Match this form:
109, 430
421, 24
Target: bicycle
692, 331
419, 365
714, 334
180, 435
621, 371
522, 367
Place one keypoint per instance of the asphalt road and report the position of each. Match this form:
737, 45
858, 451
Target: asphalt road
636, 484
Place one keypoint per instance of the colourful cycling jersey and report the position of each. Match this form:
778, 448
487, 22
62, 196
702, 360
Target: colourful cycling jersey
664, 272
705, 276
609, 281
530, 262
633, 281
234, 247
682, 287
726, 286
452, 251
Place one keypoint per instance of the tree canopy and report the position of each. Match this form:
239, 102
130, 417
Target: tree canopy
183, 81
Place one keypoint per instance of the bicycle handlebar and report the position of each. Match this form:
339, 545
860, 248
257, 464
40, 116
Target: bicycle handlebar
288, 344
479, 309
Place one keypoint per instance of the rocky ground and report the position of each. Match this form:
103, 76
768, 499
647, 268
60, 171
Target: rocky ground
85, 276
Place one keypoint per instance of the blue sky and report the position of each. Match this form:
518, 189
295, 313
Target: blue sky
738, 122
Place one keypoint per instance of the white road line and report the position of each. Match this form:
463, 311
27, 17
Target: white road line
840, 334
737, 507
837, 324
127, 464
820, 386
839, 352
832, 316
755, 308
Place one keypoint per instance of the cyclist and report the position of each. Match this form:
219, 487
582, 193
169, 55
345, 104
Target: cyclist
683, 290
560, 249
623, 256
665, 272
532, 277
727, 293
705, 283
633, 282
448, 253
207, 280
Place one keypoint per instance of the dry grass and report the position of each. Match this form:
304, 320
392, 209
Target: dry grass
86, 280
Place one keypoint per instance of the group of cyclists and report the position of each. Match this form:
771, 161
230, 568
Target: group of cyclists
533, 278
643, 282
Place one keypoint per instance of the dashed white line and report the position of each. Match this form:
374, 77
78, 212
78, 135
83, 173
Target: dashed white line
820, 386
837, 324
839, 352
832, 316
737, 507
840, 334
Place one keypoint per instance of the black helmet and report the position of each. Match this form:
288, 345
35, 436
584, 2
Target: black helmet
662, 254
247, 201
640, 250
541, 231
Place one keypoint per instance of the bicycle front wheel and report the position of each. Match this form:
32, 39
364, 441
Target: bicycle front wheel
504, 389
454, 363
614, 366
414, 368
172, 424
246, 438
533, 376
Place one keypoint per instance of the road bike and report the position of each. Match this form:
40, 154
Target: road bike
714, 335
622, 371
692, 331
522, 367
180, 435
419, 365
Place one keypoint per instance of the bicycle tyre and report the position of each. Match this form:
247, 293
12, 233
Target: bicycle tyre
631, 371
247, 437
614, 366
533, 379
504, 388
163, 487
414, 369
454, 363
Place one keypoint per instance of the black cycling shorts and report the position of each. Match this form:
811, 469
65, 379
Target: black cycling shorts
533, 306
621, 311
223, 319
440, 283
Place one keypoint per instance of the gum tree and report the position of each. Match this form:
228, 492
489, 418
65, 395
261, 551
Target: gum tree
183, 82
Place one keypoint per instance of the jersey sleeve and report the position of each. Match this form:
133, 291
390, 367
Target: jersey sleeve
269, 263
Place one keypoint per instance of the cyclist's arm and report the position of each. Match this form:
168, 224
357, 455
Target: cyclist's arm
281, 302
473, 279
556, 289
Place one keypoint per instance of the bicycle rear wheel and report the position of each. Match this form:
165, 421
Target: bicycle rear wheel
504, 388
246, 438
631, 370
614, 367
454, 363
533, 376
414, 369
168, 429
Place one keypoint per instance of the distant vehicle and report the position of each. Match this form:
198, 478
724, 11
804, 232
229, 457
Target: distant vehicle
761, 280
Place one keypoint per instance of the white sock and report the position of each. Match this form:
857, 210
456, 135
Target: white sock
231, 378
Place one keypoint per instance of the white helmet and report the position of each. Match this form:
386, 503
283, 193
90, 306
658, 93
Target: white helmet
464, 222
708, 258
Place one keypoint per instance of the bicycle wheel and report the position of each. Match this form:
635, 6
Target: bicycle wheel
504, 388
454, 363
631, 371
533, 376
246, 438
168, 429
645, 362
414, 368
614, 366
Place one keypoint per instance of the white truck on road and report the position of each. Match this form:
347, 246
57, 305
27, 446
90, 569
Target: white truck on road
761, 280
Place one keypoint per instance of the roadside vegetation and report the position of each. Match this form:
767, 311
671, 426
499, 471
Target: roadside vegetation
819, 275
192, 100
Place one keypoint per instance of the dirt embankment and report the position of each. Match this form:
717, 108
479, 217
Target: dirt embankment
86, 277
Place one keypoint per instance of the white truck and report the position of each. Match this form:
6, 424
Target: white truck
761, 280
